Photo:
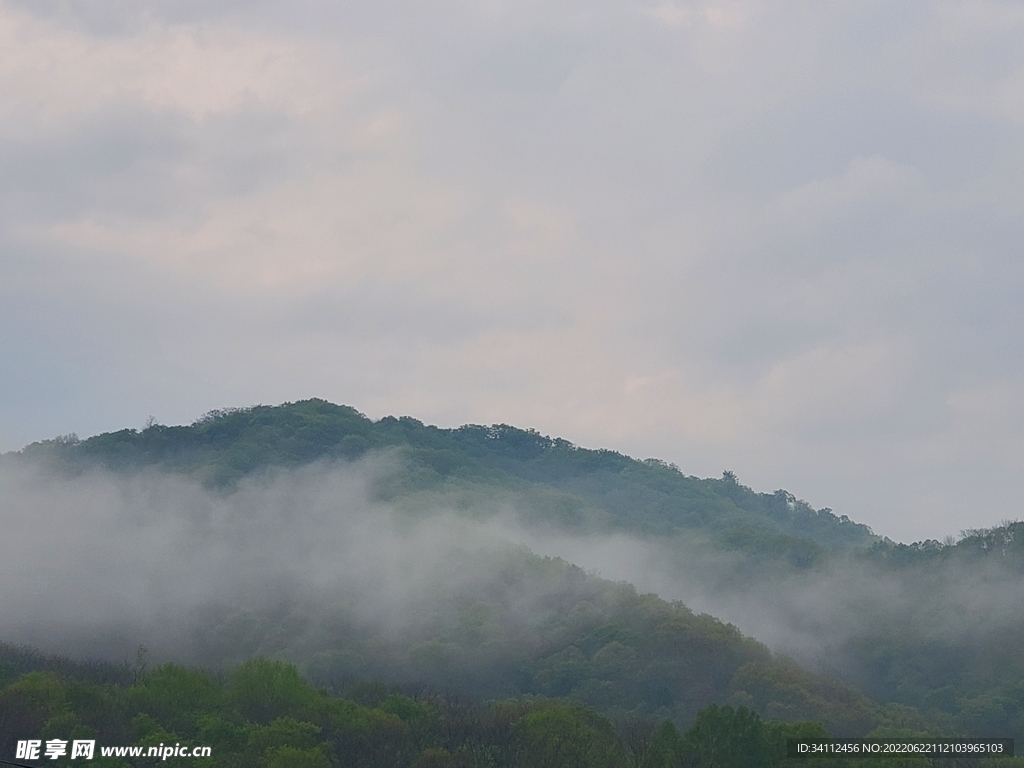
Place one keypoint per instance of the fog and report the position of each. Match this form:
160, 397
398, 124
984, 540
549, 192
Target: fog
841, 617
99, 563
96, 564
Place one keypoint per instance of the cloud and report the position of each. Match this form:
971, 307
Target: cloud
129, 560
671, 14
53, 76
296, 236
739, 235
866, 182
821, 387
309, 561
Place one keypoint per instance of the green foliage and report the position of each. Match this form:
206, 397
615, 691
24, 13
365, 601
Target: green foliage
27, 704
176, 696
784, 691
578, 636
264, 688
575, 487
569, 736
264, 714
599, 644
723, 737
291, 757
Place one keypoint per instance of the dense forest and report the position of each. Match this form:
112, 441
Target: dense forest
263, 713
574, 486
446, 641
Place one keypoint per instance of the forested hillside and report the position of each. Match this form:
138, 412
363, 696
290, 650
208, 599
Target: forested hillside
262, 713
594, 487
393, 553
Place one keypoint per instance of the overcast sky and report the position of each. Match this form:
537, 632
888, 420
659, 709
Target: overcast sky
781, 238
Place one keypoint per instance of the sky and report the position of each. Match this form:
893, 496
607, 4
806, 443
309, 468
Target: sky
779, 238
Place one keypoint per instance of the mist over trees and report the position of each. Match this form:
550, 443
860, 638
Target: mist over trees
593, 488
461, 597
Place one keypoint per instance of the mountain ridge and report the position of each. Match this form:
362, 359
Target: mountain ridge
645, 496
931, 627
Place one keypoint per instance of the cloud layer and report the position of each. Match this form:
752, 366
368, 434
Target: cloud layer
310, 564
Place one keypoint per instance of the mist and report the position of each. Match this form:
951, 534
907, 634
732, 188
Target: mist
311, 561
840, 617
102, 562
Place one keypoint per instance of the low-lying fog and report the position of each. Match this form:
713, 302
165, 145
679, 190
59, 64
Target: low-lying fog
97, 564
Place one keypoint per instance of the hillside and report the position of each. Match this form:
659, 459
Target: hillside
262, 713
590, 487
381, 549
535, 626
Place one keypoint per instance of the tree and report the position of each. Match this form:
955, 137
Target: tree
723, 737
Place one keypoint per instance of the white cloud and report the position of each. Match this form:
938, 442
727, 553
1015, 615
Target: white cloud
299, 236
50, 75
869, 181
836, 385
776, 238
725, 15
671, 14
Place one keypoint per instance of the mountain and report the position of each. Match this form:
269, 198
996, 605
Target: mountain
584, 487
923, 636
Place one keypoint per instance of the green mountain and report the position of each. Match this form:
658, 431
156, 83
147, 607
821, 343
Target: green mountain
925, 636
576, 487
